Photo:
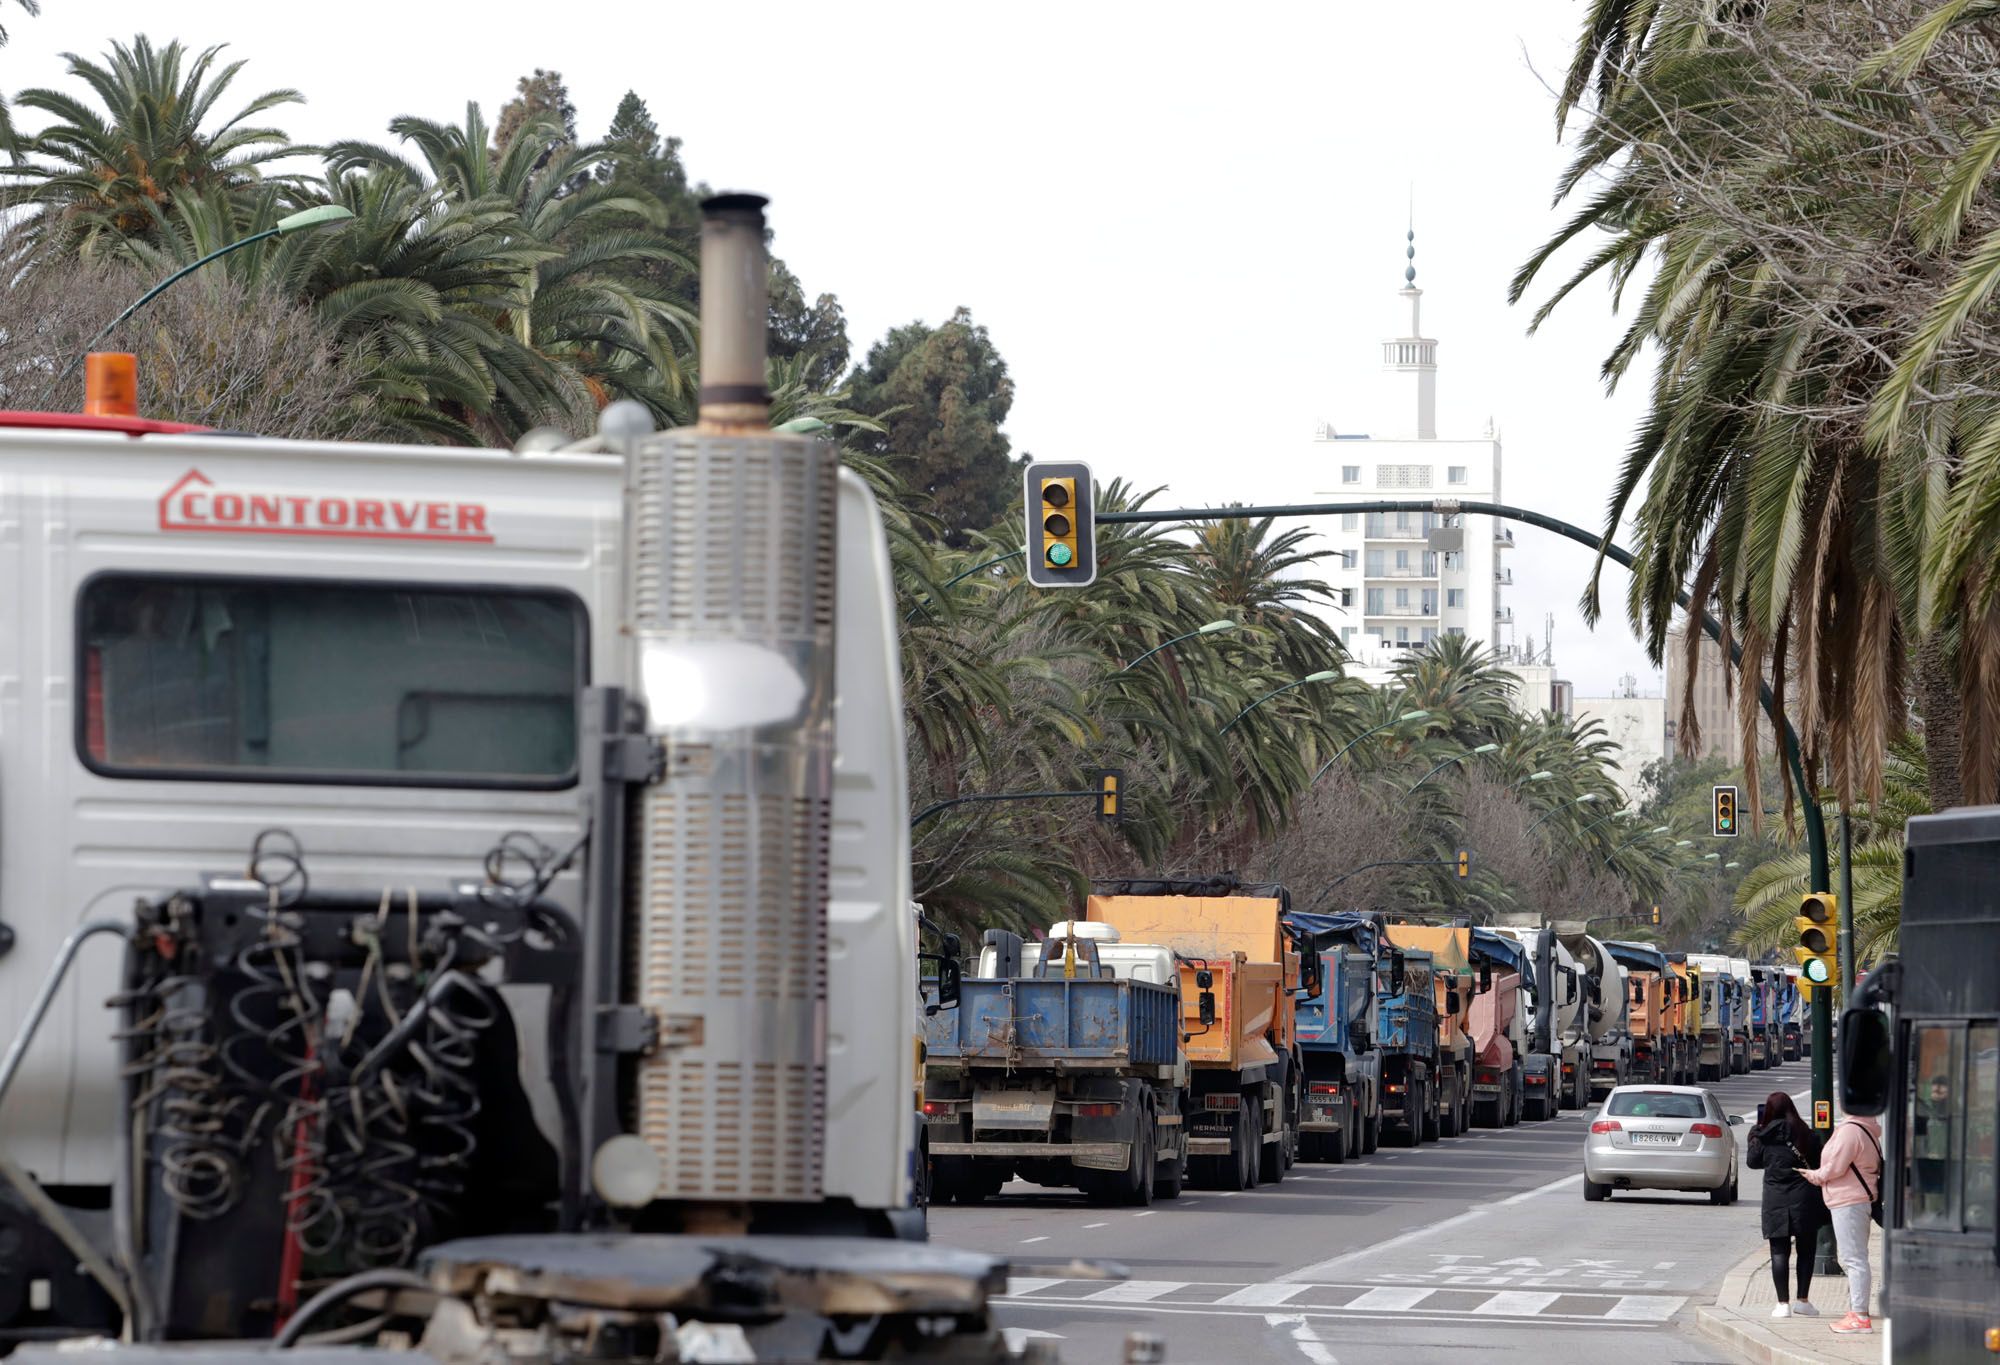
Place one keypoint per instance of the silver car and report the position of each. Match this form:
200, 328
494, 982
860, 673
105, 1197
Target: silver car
1661, 1137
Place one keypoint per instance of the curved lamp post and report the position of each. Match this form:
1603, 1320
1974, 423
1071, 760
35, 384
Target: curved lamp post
1324, 675
1583, 800
1542, 776
1656, 829
1455, 758
1212, 628
1600, 820
322, 215
1374, 729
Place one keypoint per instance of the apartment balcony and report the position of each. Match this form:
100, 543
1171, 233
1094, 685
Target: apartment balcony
1404, 613
1503, 537
1503, 616
1503, 578
1390, 571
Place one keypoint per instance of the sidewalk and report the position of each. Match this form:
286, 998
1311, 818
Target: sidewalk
1741, 1320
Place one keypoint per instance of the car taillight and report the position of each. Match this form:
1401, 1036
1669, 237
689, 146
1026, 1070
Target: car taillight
1222, 1102
1395, 1089
1538, 1080
1705, 1130
939, 1109
1569, 1068
1325, 1088
1607, 1126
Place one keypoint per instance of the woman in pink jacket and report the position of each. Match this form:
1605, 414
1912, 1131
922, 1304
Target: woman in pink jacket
1850, 1176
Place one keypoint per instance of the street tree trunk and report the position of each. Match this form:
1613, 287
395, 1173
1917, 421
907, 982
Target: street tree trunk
1938, 699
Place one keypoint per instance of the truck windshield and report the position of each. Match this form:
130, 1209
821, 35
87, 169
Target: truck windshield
260, 680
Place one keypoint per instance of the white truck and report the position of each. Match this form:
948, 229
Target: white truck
513, 852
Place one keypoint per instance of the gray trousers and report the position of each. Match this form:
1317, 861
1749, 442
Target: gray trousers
1850, 1231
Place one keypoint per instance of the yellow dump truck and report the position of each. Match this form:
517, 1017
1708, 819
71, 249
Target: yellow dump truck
1239, 974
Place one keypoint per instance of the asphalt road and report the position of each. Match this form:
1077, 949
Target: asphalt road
1481, 1243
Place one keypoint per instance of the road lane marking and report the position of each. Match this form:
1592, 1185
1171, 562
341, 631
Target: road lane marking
1260, 1295
1525, 1195
1030, 1241
1320, 1269
1147, 1214
1515, 1302
1644, 1308
1388, 1300
1303, 1337
1135, 1291
1018, 1285
1088, 1226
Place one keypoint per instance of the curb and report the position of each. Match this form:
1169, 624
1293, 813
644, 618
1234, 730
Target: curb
1724, 1325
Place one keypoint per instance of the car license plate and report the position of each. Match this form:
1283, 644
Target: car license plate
1657, 1139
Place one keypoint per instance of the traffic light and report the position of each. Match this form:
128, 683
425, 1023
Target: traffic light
1656, 914
1110, 785
1819, 936
1725, 812
1464, 863
1062, 547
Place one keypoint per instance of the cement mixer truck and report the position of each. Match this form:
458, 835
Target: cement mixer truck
1601, 1025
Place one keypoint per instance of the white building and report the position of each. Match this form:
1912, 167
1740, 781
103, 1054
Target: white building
1637, 724
1406, 578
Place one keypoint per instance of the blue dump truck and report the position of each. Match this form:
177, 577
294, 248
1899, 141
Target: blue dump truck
1763, 1018
1406, 1032
1336, 1033
1063, 1064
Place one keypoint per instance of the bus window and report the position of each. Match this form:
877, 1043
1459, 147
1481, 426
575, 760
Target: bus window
1933, 1123
1982, 1109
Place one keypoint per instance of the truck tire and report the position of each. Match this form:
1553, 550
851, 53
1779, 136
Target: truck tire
1249, 1127
1434, 1116
1371, 1133
1342, 1142
1169, 1176
1489, 1113
1453, 1119
1136, 1187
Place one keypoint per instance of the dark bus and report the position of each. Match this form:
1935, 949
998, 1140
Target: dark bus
1920, 1047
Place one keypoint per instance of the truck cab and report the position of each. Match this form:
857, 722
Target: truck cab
1337, 1026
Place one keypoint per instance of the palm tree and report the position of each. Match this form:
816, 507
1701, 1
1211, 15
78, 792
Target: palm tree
97, 175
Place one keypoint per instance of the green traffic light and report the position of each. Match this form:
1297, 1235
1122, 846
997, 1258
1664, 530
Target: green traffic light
1815, 971
1060, 556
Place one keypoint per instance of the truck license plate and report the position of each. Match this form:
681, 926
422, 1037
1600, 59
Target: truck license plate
1657, 1139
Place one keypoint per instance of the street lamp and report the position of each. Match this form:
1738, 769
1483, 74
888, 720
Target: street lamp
1583, 800
1375, 729
1732, 864
1324, 675
1656, 829
1542, 776
1455, 758
322, 215
1683, 843
1212, 628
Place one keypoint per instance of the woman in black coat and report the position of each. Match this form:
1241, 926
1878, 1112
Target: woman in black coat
1794, 1211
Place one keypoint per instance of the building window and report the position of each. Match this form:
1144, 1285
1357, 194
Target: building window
1402, 563
1430, 635
1454, 560
1430, 564
1402, 476
1402, 599
1350, 521
1455, 474
1344, 596
1347, 637
1402, 635
1454, 597
1456, 632
1350, 473
1374, 601
1430, 601
1374, 563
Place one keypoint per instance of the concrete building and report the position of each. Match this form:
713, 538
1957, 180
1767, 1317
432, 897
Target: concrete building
1714, 709
1406, 578
1637, 724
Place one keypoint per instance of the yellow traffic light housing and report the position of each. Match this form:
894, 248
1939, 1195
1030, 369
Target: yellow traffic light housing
1110, 784
1464, 863
1725, 826
1656, 914
1818, 925
1061, 547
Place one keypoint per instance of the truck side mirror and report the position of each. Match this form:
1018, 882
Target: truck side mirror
949, 978
1451, 1000
1485, 977
1206, 1004
1865, 1053
1203, 979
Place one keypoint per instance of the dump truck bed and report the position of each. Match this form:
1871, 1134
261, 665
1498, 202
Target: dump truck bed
1080, 1024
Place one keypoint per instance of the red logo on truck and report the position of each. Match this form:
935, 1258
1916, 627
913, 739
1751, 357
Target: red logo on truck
196, 504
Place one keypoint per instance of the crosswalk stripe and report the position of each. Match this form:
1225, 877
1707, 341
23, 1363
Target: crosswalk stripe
1135, 1291
1018, 1285
1645, 1308
1390, 1300
1516, 1303
1261, 1295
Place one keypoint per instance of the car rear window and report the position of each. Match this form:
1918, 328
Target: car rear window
260, 680
1655, 1104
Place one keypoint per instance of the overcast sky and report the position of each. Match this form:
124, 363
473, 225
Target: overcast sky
1182, 224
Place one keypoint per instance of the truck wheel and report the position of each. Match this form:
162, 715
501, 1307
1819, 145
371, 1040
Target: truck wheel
1169, 1175
1371, 1133
1136, 1189
1453, 1119
1248, 1127
1434, 1117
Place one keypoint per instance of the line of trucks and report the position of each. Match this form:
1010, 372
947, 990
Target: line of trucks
1202, 1030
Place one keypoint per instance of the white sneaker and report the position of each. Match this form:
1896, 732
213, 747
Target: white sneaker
1802, 1309
1783, 1310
